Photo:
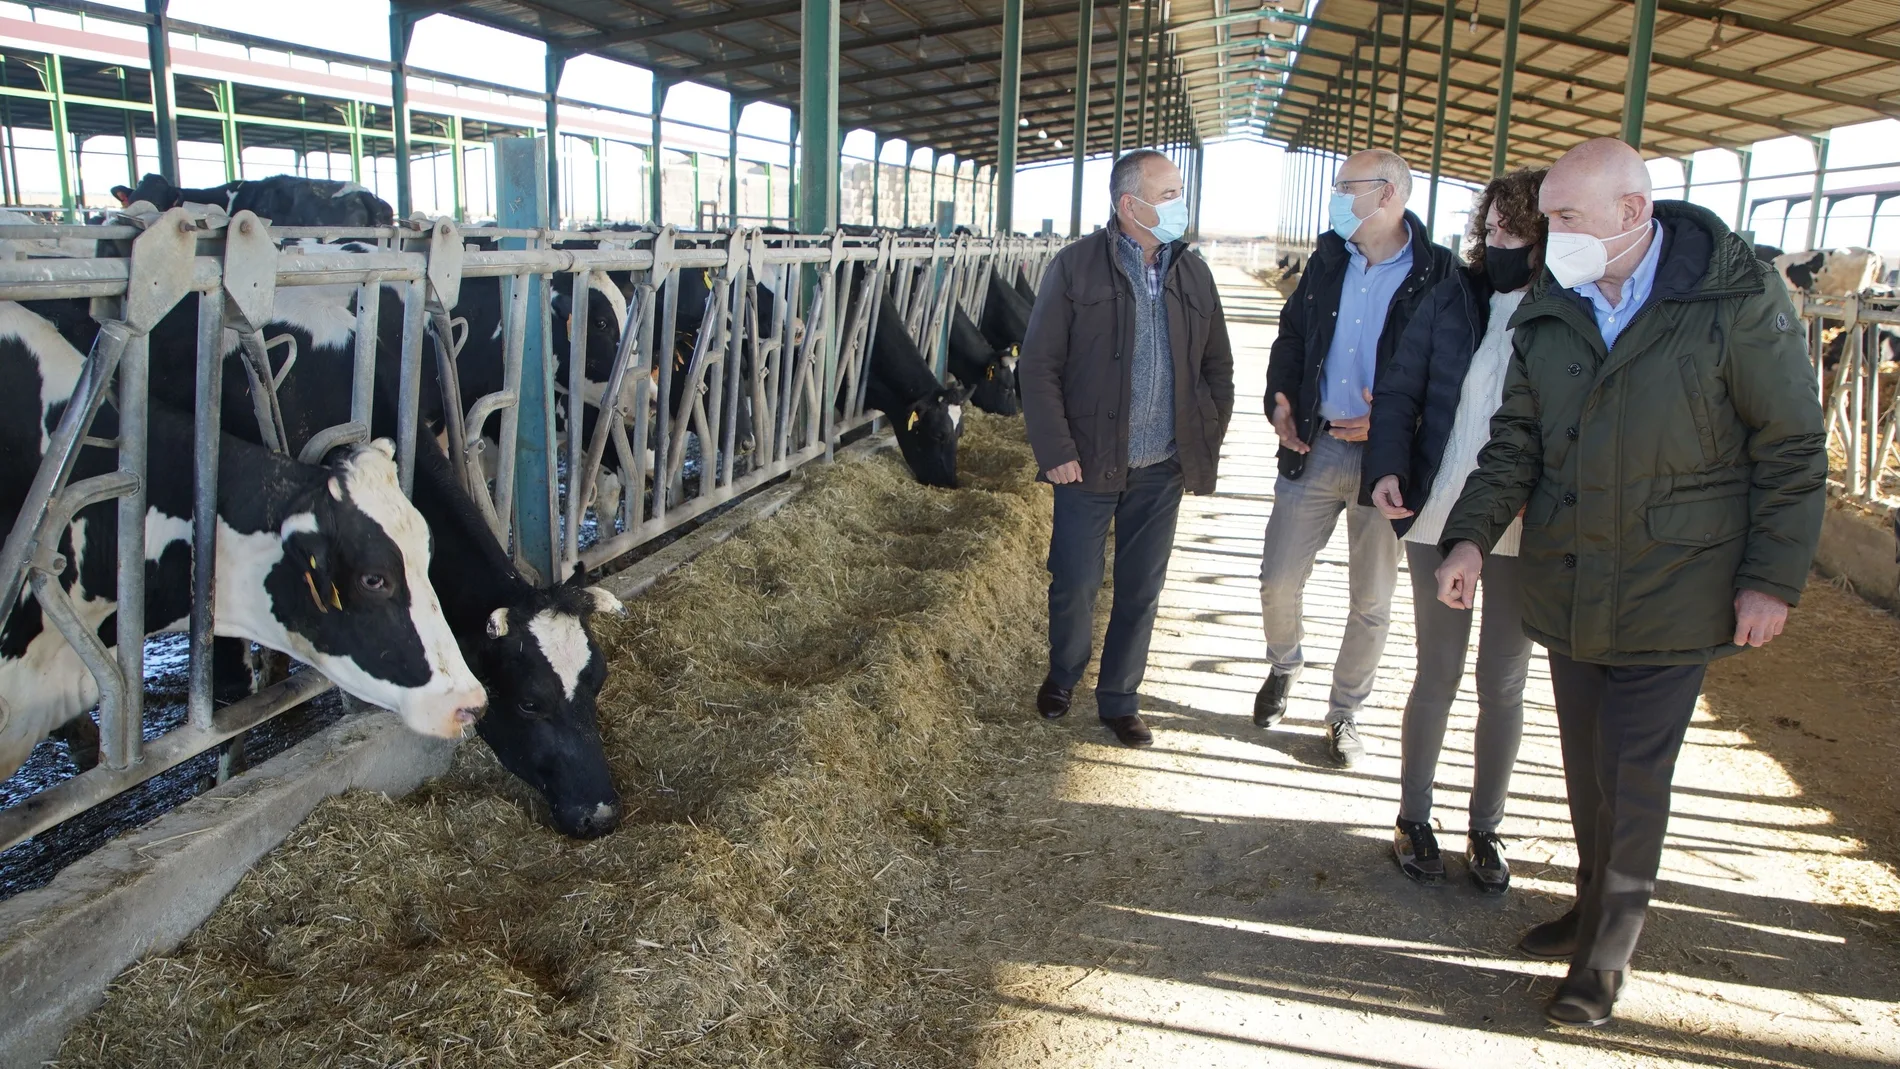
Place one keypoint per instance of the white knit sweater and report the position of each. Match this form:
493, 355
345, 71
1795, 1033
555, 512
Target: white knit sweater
1483, 392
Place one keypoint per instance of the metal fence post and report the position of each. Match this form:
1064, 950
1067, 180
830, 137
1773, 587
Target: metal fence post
1507, 72
1636, 81
1009, 108
1821, 144
1084, 55
401, 30
1449, 16
164, 120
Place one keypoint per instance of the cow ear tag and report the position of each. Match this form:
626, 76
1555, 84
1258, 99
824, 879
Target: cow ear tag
912, 425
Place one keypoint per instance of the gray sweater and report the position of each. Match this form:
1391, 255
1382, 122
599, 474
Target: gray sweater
1151, 387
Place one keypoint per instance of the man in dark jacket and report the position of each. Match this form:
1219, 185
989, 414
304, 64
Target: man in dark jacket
1662, 431
1367, 274
1127, 386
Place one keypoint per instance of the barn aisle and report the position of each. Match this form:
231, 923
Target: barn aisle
1229, 898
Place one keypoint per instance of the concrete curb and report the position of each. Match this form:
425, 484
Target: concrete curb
1861, 546
144, 892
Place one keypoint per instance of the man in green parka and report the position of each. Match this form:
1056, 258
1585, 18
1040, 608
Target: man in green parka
1662, 433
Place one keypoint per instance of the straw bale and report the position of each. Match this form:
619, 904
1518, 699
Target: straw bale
793, 720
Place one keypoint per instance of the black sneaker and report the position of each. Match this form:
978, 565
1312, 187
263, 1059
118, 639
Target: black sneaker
1416, 850
1269, 706
1484, 860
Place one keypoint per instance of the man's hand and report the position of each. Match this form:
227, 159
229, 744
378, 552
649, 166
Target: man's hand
1385, 494
1759, 617
1355, 429
1065, 473
1458, 576
1283, 425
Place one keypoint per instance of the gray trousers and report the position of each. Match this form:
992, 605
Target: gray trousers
1504, 657
1621, 728
1144, 515
1305, 511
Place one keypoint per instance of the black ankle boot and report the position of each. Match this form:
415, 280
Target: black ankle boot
1585, 997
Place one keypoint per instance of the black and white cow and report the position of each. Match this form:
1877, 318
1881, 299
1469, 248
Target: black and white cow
1830, 272
1023, 288
990, 373
1005, 314
326, 563
531, 647
283, 199
925, 415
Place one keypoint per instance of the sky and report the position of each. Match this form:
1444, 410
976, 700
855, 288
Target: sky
1241, 185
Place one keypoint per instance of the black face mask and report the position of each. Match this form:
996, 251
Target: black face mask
1508, 269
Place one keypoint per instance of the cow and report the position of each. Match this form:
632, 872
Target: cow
990, 373
326, 563
1886, 348
1005, 314
1023, 288
531, 647
925, 415
1830, 273
283, 199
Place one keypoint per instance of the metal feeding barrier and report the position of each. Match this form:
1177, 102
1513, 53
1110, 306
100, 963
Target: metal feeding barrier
1862, 413
764, 394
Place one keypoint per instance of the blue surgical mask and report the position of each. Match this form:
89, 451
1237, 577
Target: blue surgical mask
1345, 221
1171, 219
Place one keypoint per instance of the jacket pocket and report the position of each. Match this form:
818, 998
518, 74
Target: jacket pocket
1542, 506
1702, 521
1085, 431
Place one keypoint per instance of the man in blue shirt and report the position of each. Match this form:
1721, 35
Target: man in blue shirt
1367, 274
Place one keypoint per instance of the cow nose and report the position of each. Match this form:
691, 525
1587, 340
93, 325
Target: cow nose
590, 822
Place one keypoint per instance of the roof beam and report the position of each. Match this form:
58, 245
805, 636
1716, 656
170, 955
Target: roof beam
1782, 28
1661, 59
738, 12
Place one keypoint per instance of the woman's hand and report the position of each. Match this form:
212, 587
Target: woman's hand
1391, 504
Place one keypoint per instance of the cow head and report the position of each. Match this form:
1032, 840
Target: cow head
345, 582
606, 318
1798, 269
994, 388
544, 670
154, 189
927, 433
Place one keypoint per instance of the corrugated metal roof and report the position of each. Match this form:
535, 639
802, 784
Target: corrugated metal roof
1723, 74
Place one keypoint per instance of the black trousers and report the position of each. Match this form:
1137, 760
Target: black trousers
1144, 515
1621, 728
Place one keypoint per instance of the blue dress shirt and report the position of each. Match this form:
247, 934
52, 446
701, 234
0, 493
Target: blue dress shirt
1612, 318
1352, 359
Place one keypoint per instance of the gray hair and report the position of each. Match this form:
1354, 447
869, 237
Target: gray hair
1125, 176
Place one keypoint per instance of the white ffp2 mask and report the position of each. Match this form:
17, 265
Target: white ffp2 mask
1580, 259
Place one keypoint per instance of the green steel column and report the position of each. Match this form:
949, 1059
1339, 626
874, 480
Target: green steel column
1200, 155
910, 157
818, 116
956, 177
551, 72
1009, 107
1121, 83
1352, 104
1821, 145
1438, 122
233, 151
1688, 175
401, 29
1372, 100
458, 169
353, 114
656, 184
131, 132
791, 176
600, 180
1405, 66
1500, 146
1141, 97
877, 179
1746, 158
1636, 82
1084, 56
732, 161
934, 161
164, 119
55, 83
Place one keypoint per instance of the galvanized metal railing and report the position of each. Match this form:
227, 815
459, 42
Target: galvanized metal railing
784, 380
1861, 411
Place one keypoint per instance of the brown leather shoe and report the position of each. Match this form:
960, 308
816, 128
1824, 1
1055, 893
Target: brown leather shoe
1053, 701
1130, 730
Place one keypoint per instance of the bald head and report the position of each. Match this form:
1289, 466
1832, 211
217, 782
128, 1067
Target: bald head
1599, 188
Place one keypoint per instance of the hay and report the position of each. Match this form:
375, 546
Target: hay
793, 720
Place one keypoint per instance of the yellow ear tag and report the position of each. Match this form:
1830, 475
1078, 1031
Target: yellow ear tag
707, 276
1015, 350
334, 598
912, 425
313, 562
989, 372
311, 582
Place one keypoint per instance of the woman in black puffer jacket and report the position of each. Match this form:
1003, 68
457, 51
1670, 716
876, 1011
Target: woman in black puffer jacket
1431, 414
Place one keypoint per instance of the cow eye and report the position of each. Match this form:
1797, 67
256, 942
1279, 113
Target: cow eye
530, 709
374, 582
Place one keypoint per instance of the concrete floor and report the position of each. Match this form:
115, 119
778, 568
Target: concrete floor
1254, 916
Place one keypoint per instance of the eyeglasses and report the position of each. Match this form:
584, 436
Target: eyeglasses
1338, 187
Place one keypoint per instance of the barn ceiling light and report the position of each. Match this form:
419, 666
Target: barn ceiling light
1022, 122
1042, 135
1715, 37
